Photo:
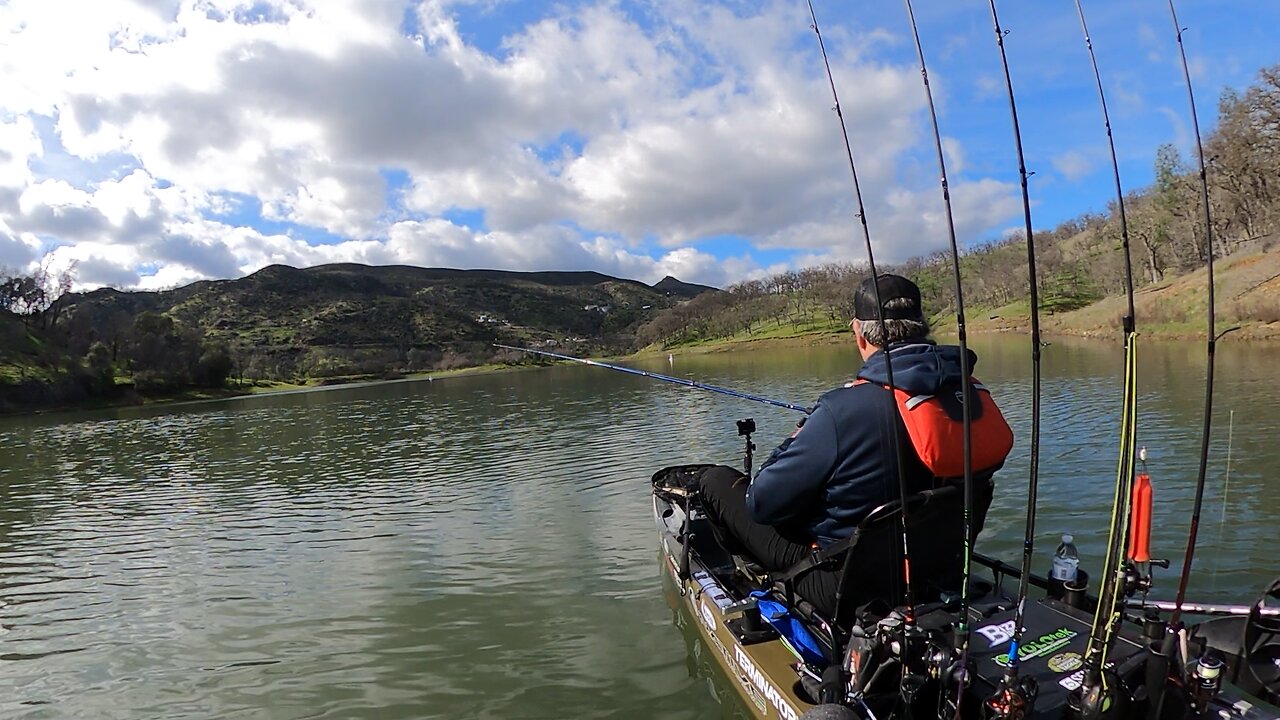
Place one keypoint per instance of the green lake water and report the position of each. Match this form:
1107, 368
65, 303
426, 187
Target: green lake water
483, 547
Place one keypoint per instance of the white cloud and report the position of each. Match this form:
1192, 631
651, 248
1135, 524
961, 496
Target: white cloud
598, 137
1152, 41
1073, 165
1182, 135
17, 252
18, 143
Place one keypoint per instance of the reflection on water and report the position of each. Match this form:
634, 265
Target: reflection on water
483, 546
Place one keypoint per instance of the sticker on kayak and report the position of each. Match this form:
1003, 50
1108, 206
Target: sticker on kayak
1047, 643
1073, 681
997, 634
764, 686
708, 618
1065, 662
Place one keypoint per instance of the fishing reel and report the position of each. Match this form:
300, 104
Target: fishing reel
1103, 695
1013, 700
907, 643
955, 673
1138, 576
1205, 677
925, 658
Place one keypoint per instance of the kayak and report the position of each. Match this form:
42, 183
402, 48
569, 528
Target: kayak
782, 657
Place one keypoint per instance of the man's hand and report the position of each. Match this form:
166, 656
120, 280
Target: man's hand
799, 425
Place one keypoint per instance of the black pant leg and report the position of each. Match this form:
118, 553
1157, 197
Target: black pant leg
724, 493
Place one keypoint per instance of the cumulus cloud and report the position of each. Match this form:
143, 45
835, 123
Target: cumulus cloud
1073, 165
15, 253
154, 142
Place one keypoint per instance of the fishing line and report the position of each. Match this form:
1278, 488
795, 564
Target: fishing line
962, 628
908, 600
666, 378
1007, 701
1109, 610
1226, 490
1212, 337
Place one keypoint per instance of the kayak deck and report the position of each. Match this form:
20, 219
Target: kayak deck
709, 585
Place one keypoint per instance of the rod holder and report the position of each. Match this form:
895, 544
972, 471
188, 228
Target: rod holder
1075, 592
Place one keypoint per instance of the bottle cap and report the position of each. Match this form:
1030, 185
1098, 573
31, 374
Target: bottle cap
1067, 538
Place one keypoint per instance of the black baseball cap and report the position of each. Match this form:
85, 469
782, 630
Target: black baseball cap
892, 287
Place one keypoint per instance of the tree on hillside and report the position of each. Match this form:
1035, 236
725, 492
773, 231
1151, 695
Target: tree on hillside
1244, 158
214, 365
36, 296
101, 369
21, 295
1150, 228
158, 353
165, 355
1176, 208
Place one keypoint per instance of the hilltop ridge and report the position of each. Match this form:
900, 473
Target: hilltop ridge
326, 321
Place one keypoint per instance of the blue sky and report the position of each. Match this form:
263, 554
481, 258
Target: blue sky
151, 143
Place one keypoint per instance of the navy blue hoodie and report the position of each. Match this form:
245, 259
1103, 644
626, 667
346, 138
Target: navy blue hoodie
842, 463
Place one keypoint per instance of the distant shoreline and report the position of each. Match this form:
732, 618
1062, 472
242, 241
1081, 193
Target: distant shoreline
255, 389
1263, 334
1259, 333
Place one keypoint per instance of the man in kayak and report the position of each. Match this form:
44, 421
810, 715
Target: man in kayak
843, 460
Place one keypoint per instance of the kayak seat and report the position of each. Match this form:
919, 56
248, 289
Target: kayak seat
869, 562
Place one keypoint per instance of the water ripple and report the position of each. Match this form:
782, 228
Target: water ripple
472, 548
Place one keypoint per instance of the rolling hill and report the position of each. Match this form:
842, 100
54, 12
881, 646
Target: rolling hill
347, 318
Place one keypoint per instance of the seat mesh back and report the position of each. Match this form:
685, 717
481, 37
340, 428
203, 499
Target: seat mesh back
935, 532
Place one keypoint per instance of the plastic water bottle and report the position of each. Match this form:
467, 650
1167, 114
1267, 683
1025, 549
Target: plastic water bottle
1066, 561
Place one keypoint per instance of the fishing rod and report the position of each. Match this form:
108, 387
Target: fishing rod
907, 684
1014, 698
1212, 337
1162, 660
1093, 697
666, 378
960, 673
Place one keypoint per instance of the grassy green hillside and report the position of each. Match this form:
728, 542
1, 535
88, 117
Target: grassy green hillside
1247, 296
1247, 299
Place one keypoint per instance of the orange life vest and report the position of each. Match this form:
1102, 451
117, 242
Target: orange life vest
935, 424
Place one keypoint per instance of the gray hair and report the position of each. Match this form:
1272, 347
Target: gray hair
894, 330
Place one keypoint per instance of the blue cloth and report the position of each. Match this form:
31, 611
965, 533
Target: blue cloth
793, 632
842, 463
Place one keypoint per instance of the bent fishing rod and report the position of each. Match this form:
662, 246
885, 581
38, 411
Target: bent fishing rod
1109, 611
1014, 698
666, 378
908, 628
960, 673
